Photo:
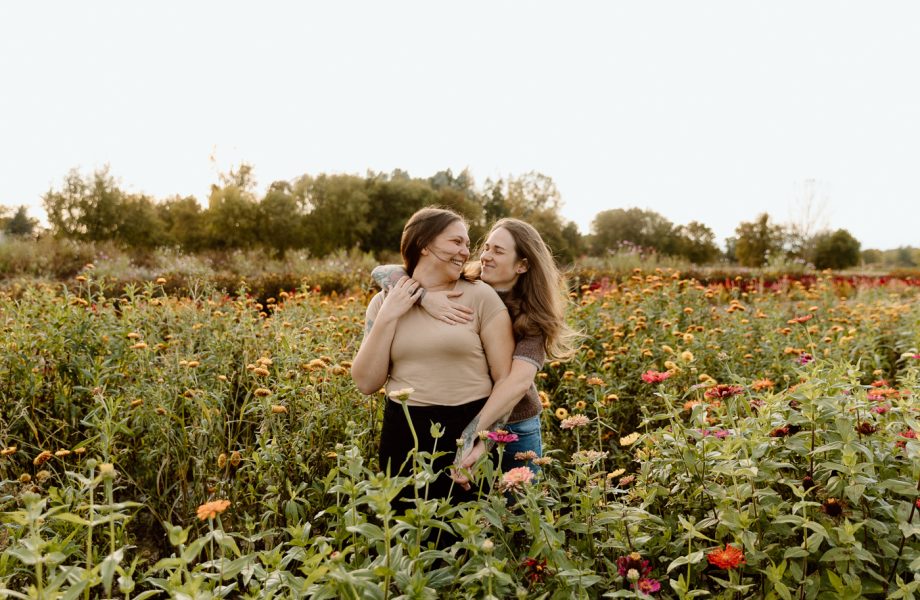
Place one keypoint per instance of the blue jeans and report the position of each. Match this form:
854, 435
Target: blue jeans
529, 438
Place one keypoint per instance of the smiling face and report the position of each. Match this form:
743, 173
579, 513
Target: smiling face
449, 250
501, 267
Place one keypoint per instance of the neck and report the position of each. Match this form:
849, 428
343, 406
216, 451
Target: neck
431, 279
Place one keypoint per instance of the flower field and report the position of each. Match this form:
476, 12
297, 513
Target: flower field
734, 440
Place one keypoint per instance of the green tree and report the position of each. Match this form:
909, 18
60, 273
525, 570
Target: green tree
184, 223
139, 224
644, 228
532, 197
20, 224
391, 200
85, 208
757, 240
837, 250
338, 208
697, 243
281, 224
231, 218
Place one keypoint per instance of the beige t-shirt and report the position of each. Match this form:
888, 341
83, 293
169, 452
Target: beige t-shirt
445, 364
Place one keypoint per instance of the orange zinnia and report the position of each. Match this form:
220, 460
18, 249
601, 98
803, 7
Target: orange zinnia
209, 510
727, 558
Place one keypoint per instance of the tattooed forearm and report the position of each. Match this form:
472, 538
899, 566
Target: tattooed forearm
469, 434
387, 275
368, 326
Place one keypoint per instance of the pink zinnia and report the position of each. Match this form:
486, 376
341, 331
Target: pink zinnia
805, 358
516, 478
500, 436
880, 409
655, 376
648, 586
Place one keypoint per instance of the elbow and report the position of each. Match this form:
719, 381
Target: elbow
365, 385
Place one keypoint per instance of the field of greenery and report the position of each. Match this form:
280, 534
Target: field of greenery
735, 440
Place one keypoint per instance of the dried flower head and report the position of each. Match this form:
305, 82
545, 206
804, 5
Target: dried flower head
575, 421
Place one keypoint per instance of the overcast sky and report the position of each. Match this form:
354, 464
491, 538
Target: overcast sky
699, 110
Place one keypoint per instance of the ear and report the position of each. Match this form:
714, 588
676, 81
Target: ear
424, 251
522, 266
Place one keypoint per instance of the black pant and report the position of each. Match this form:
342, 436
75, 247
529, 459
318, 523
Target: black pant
396, 443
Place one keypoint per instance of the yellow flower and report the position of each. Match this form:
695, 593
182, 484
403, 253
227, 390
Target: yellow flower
581, 404
561, 413
630, 439
209, 510
260, 372
688, 338
615, 473
612, 397
686, 356
668, 349
262, 392
8, 450
595, 381
279, 409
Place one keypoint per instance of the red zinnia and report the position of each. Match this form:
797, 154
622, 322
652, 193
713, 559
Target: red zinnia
727, 558
723, 391
535, 570
633, 560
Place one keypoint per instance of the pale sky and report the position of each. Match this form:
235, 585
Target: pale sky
700, 110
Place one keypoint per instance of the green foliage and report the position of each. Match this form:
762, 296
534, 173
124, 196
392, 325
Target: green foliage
756, 241
179, 401
20, 224
837, 250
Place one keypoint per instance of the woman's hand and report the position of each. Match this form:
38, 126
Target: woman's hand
441, 306
460, 471
399, 299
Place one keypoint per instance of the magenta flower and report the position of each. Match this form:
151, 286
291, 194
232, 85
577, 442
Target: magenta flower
723, 391
647, 586
805, 358
500, 436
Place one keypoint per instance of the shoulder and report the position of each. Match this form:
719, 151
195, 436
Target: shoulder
373, 307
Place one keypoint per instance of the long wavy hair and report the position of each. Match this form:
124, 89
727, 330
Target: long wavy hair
538, 300
420, 230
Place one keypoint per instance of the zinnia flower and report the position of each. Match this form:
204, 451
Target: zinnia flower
394, 395
500, 436
535, 570
651, 376
866, 428
630, 439
209, 510
727, 558
561, 413
42, 458
833, 507
805, 358
516, 478
633, 560
575, 421
647, 586
527, 455
722, 391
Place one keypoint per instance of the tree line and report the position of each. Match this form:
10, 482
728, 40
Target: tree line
328, 212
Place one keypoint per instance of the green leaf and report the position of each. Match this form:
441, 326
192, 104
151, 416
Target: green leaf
692, 559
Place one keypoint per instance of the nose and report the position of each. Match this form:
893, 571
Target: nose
465, 252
